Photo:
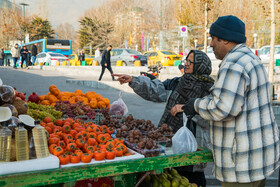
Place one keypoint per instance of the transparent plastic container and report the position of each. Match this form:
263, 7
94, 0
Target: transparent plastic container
22, 149
5, 143
40, 140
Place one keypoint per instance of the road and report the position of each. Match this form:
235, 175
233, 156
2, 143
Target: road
36, 80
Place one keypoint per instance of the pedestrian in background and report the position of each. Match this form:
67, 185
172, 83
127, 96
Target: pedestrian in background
181, 68
34, 52
15, 54
106, 62
24, 56
2, 57
97, 52
243, 130
81, 56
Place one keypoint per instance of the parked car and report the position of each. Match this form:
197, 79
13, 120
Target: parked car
264, 53
166, 58
74, 58
51, 58
210, 53
128, 56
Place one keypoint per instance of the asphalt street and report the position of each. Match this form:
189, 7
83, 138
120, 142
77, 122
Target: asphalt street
36, 80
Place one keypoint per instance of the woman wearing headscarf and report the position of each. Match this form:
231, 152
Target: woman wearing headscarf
194, 83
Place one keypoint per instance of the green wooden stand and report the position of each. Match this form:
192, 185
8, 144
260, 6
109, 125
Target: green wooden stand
123, 172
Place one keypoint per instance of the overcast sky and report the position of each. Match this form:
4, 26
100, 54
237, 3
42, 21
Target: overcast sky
60, 11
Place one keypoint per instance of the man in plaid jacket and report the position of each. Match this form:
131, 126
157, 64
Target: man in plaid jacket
243, 131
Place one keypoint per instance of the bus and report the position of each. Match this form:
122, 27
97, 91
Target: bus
63, 47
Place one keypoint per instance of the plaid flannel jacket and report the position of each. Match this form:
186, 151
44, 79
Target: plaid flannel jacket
243, 131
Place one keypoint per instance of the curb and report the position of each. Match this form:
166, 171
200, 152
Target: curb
110, 85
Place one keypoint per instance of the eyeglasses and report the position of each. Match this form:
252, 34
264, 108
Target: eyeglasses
188, 62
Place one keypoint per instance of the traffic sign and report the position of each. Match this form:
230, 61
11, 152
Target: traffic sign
184, 31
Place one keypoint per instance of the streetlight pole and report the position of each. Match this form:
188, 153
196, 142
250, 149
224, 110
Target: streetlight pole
24, 5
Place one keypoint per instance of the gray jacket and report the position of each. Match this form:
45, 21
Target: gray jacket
15, 52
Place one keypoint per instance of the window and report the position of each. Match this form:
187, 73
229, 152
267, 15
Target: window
71, 57
56, 54
154, 54
133, 52
117, 52
168, 52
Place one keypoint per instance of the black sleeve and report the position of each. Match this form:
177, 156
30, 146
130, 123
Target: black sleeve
171, 84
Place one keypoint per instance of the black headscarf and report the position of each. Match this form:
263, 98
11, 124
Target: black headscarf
195, 85
200, 79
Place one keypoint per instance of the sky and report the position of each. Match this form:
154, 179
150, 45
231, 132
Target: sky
60, 11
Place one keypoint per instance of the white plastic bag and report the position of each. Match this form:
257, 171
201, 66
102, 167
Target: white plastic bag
118, 107
184, 141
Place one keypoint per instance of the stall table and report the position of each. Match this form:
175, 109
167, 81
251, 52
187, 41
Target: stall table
122, 172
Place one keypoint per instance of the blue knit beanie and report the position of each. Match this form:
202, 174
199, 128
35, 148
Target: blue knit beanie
229, 28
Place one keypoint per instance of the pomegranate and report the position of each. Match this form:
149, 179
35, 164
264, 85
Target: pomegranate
34, 98
21, 95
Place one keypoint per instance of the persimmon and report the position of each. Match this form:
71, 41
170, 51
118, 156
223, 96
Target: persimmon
106, 101
51, 125
78, 152
91, 141
74, 158
54, 135
53, 140
119, 152
91, 153
110, 154
66, 128
52, 147
91, 135
42, 123
59, 122
118, 140
127, 154
79, 136
49, 129
97, 130
80, 142
73, 132
99, 155
89, 129
71, 147
103, 146
107, 136
110, 145
122, 146
84, 133
56, 130
68, 137
64, 159
58, 151
62, 144
89, 148
51, 87
47, 120
74, 125
86, 158
101, 104
101, 138
110, 130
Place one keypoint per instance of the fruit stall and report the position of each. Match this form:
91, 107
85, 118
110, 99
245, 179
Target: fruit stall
77, 139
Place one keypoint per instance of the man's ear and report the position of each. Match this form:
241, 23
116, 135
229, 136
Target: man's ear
225, 42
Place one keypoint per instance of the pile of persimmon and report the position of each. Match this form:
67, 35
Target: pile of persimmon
74, 141
92, 99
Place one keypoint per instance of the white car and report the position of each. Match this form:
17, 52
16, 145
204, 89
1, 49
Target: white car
264, 53
52, 58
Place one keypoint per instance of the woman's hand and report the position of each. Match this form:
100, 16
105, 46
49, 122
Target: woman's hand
123, 78
176, 109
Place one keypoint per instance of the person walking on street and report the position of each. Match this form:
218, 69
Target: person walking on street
195, 82
24, 56
34, 52
97, 52
2, 57
81, 56
243, 130
106, 62
15, 54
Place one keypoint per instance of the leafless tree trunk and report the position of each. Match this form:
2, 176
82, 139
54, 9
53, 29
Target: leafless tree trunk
205, 26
